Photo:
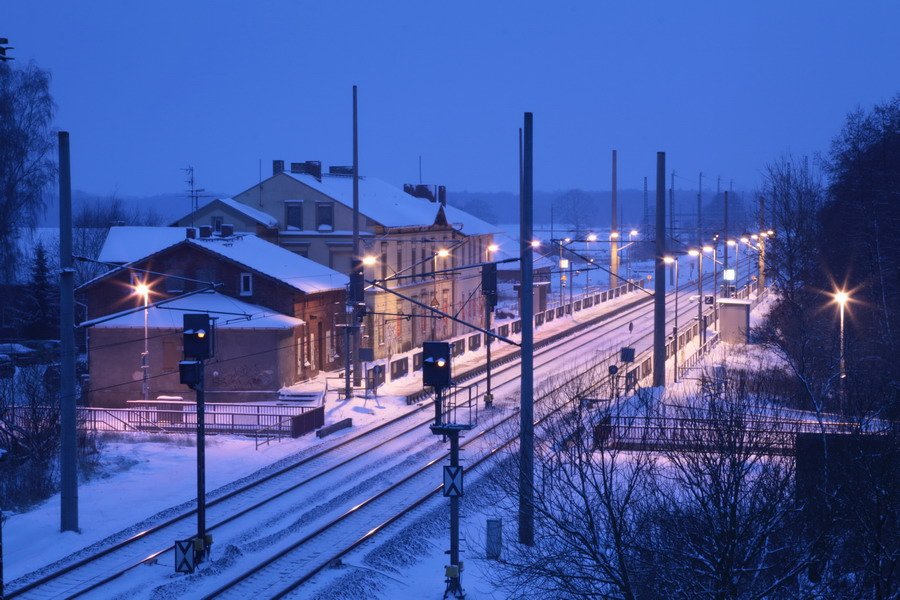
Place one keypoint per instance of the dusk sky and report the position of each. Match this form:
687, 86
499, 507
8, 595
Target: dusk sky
147, 88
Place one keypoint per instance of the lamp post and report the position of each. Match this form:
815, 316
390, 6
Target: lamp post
700, 328
631, 235
841, 297
587, 271
143, 290
441, 253
488, 309
669, 260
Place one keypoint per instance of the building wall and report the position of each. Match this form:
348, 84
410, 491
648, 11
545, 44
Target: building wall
396, 250
249, 365
115, 294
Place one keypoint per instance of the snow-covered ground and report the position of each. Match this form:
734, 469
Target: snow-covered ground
408, 559
146, 475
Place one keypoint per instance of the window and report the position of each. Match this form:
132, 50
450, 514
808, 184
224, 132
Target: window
399, 257
217, 224
246, 284
293, 215
384, 255
324, 216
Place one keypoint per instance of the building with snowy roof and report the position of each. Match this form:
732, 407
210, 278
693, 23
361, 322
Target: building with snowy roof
407, 234
173, 261
258, 351
232, 216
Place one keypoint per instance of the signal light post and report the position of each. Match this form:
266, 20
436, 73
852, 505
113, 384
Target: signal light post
437, 374
198, 340
489, 289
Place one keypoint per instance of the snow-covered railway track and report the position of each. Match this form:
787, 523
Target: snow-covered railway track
94, 572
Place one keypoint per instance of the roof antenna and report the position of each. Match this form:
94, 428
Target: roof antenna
420, 169
193, 192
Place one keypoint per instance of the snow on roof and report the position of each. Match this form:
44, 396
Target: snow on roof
127, 244
390, 205
467, 223
738, 301
257, 215
378, 200
169, 315
276, 262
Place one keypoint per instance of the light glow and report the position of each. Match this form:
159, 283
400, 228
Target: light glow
443, 253
668, 260
613, 235
369, 260
493, 248
535, 243
634, 232
841, 297
592, 237
693, 252
707, 248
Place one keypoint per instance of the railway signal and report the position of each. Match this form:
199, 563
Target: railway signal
198, 339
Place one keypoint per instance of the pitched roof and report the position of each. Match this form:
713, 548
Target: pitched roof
467, 223
169, 315
390, 205
129, 244
263, 218
276, 262
378, 200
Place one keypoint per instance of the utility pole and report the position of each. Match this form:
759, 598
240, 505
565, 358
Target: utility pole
671, 236
645, 226
614, 230
68, 487
489, 290
700, 210
761, 255
725, 232
357, 363
659, 291
526, 414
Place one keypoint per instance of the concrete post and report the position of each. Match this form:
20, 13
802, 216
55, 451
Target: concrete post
659, 288
67, 450
526, 414
614, 228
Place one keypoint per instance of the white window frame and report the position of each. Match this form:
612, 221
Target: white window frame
249, 291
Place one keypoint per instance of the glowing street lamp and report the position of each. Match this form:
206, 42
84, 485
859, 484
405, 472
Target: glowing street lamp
592, 237
369, 260
143, 290
842, 297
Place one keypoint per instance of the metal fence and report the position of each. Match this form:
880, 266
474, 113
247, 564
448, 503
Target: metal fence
733, 433
181, 417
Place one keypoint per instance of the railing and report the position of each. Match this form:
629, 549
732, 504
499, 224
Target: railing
733, 433
181, 417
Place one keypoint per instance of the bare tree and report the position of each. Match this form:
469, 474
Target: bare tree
587, 501
91, 223
574, 208
26, 165
724, 519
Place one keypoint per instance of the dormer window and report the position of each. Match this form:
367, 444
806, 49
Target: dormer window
324, 216
217, 224
246, 284
293, 215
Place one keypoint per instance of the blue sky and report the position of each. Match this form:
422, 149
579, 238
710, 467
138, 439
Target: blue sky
146, 88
